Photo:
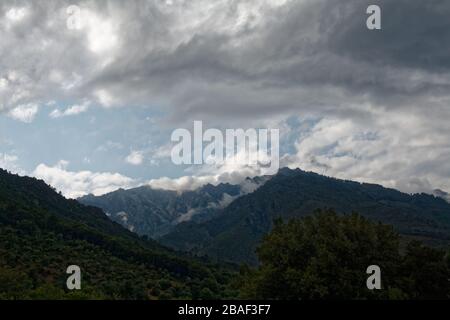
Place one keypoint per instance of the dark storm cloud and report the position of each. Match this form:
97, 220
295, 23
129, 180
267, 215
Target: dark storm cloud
416, 34
224, 57
281, 61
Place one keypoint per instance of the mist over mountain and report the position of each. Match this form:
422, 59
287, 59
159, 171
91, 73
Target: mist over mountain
442, 194
236, 231
155, 212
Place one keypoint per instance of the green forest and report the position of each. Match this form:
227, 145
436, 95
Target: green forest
319, 256
325, 256
42, 233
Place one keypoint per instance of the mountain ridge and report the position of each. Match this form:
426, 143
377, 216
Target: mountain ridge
155, 212
235, 232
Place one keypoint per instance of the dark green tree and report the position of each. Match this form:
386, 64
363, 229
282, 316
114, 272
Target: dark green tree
425, 272
325, 256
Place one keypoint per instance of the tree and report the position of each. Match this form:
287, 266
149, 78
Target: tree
425, 272
325, 256
13, 284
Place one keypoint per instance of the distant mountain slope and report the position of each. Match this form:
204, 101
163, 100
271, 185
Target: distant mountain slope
42, 233
154, 213
236, 231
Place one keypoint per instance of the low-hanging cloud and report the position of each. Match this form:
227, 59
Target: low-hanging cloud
76, 184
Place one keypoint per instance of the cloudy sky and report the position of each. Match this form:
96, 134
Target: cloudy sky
89, 104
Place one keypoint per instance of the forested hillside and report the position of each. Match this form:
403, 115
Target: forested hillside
42, 233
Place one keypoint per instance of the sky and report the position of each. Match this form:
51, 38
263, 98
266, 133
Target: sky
89, 95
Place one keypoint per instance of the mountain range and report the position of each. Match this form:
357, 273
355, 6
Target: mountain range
237, 230
155, 212
42, 233
228, 224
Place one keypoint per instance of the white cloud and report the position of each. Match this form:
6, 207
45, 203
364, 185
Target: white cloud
395, 150
135, 158
71, 111
77, 184
101, 32
3, 83
16, 14
196, 181
182, 183
234, 168
105, 98
10, 162
24, 113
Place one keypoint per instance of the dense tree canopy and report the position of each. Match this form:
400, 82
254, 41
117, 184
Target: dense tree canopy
325, 256
322, 256
42, 233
